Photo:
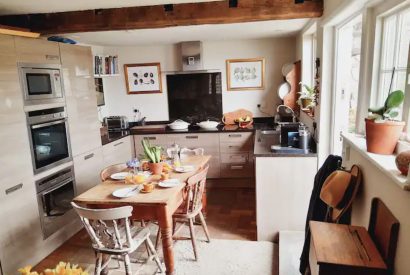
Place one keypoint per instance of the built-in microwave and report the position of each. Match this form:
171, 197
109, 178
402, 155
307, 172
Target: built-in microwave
41, 83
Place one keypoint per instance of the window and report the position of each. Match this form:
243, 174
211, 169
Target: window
394, 54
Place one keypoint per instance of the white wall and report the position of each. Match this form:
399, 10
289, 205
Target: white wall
276, 51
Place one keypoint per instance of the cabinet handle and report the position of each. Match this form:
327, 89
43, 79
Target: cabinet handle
88, 156
236, 167
234, 146
235, 135
14, 188
191, 137
52, 57
150, 138
119, 143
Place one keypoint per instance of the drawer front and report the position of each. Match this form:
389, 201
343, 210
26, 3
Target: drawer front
87, 167
118, 151
214, 168
235, 158
233, 147
236, 137
236, 170
194, 140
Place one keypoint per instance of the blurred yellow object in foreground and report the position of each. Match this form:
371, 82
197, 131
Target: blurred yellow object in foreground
61, 269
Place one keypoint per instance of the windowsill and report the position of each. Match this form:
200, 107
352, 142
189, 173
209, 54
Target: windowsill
385, 163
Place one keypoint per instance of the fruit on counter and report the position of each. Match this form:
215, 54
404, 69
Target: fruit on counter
166, 168
243, 119
164, 176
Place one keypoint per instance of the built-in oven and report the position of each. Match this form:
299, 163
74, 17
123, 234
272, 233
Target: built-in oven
49, 138
41, 83
54, 196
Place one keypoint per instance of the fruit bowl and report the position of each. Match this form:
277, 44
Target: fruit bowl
244, 122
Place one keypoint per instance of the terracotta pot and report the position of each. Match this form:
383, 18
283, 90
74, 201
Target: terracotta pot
403, 161
381, 138
306, 102
156, 168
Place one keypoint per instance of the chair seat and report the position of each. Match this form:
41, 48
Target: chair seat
139, 235
180, 213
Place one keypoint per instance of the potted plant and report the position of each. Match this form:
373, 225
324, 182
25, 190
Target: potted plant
306, 97
382, 129
153, 153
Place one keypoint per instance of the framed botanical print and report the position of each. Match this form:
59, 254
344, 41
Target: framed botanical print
143, 78
245, 74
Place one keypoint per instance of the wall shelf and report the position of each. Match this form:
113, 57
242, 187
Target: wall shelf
105, 75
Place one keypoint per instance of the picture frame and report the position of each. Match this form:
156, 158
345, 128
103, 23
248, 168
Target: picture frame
245, 74
143, 78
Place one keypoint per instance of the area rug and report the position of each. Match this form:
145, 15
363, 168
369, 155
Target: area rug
225, 257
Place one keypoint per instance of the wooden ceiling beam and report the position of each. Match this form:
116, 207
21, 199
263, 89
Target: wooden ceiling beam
147, 17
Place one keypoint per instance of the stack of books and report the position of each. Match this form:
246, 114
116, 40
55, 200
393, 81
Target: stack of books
105, 65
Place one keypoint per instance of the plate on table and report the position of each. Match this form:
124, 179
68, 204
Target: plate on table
184, 169
169, 183
119, 176
126, 192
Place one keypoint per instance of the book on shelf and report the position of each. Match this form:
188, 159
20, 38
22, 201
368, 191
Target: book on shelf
106, 65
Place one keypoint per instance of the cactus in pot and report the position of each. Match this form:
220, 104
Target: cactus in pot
383, 130
153, 153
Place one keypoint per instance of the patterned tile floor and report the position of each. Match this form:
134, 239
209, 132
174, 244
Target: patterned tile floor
231, 215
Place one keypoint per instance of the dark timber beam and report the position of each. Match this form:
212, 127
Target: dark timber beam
147, 17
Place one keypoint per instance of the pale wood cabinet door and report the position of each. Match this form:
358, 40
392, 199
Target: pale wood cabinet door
119, 151
15, 157
20, 235
87, 169
81, 99
31, 50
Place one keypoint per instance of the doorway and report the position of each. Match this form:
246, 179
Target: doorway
347, 71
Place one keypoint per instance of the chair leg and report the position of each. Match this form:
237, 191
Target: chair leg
193, 240
98, 262
155, 255
127, 264
158, 240
201, 217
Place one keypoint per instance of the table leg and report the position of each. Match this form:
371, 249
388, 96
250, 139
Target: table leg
165, 224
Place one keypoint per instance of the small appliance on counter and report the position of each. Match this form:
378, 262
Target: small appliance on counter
116, 123
295, 135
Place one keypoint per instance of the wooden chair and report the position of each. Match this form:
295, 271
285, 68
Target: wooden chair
384, 230
191, 208
108, 171
112, 235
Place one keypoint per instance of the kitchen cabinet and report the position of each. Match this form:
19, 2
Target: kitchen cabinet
81, 100
15, 156
21, 239
87, 169
119, 151
31, 50
283, 189
159, 140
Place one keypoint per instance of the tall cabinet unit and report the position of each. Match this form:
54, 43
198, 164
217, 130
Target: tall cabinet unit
18, 201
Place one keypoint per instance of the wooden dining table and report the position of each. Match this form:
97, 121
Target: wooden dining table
159, 205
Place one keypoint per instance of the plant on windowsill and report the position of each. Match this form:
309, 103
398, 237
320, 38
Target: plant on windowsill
307, 97
153, 153
383, 130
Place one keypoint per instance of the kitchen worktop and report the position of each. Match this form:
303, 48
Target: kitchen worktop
108, 137
263, 143
192, 130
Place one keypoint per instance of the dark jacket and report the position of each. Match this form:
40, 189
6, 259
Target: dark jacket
317, 208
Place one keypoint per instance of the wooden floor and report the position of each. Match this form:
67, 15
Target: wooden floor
231, 215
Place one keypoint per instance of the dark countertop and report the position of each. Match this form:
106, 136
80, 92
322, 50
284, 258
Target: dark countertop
108, 137
193, 130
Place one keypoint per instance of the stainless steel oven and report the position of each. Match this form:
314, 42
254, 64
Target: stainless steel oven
54, 196
41, 83
49, 138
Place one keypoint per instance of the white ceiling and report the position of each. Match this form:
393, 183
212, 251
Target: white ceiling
172, 35
46, 6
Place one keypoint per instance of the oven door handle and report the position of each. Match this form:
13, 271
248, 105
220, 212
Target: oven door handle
48, 191
48, 124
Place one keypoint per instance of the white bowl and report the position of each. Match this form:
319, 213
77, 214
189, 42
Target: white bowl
178, 125
208, 124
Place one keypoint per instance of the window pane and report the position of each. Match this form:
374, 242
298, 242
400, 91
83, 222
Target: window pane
389, 36
404, 39
385, 80
400, 81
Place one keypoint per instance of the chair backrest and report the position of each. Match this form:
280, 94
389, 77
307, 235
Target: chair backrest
185, 152
108, 171
103, 226
384, 230
194, 190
